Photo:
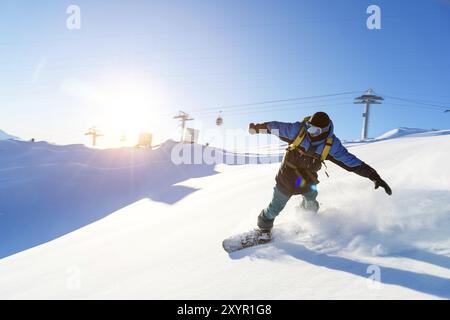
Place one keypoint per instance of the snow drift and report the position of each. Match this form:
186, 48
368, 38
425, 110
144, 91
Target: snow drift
154, 230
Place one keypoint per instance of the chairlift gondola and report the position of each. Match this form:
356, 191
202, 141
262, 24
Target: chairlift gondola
219, 120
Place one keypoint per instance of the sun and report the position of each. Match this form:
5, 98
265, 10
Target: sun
124, 108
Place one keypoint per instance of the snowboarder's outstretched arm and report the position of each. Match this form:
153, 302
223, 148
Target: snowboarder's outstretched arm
340, 156
286, 131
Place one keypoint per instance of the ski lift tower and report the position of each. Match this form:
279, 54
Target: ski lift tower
368, 98
94, 132
184, 117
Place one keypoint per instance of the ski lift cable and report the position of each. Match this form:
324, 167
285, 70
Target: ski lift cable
272, 107
412, 94
302, 107
279, 100
271, 104
291, 99
415, 106
280, 109
419, 102
292, 108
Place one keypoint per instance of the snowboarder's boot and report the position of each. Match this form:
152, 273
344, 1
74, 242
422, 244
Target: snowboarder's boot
309, 205
263, 236
246, 240
264, 224
258, 236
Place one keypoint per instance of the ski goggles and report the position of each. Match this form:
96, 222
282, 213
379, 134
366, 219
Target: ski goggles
316, 131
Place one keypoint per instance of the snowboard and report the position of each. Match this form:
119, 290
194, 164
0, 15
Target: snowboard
246, 240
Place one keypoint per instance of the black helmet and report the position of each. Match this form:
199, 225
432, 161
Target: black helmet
320, 119
318, 126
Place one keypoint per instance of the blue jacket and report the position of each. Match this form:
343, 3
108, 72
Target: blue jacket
289, 131
288, 178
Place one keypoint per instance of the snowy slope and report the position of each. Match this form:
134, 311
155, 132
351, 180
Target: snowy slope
160, 246
402, 132
6, 136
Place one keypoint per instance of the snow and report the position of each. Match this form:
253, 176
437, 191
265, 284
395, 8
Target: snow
127, 223
6, 136
402, 132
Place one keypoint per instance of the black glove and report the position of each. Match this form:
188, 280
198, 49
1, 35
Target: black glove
256, 128
381, 183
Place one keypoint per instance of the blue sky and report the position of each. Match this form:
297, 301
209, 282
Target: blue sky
134, 64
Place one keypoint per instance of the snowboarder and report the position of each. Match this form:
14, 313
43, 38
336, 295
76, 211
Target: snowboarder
311, 142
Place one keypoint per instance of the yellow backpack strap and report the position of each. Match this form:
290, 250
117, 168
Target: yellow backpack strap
327, 148
298, 140
301, 135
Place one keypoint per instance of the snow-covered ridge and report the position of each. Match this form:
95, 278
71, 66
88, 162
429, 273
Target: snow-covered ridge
402, 132
6, 136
